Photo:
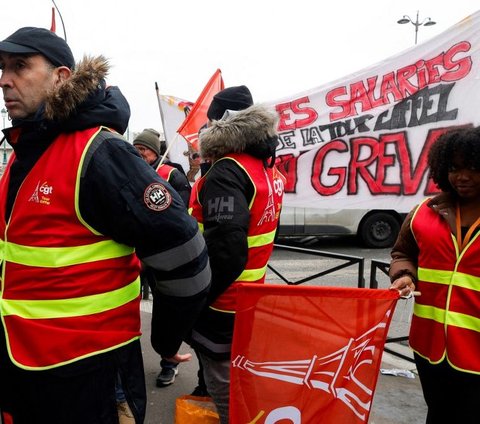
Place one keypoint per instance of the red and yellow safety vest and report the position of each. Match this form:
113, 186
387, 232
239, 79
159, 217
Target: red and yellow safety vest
165, 171
195, 206
446, 317
67, 292
264, 208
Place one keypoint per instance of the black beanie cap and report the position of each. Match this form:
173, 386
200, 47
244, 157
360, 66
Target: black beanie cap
231, 98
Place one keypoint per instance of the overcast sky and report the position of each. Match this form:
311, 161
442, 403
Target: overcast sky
276, 47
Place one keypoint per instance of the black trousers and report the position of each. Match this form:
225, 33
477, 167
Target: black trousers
80, 393
451, 396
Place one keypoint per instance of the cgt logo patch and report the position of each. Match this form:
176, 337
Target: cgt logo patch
157, 197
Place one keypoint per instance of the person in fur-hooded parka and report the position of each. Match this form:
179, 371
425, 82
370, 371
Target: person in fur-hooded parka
232, 199
83, 240
251, 131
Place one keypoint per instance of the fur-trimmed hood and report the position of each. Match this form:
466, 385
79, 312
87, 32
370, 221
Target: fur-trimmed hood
243, 131
86, 79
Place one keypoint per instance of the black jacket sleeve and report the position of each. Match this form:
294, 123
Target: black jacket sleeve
114, 201
181, 185
225, 197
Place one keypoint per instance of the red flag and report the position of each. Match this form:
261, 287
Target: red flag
198, 115
53, 27
307, 354
7, 418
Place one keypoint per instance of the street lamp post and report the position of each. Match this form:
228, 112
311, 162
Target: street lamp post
4, 115
426, 22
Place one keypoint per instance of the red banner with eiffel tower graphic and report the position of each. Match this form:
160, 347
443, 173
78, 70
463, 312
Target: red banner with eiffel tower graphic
307, 354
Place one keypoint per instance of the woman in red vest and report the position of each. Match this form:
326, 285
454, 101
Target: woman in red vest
438, 252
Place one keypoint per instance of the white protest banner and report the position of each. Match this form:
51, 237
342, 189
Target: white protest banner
362, 140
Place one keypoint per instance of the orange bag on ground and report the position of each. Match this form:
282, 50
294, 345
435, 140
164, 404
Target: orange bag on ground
195, 410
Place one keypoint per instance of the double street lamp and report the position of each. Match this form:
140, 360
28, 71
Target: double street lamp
4, 116
426, 22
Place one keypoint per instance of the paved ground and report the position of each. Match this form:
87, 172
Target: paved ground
398, 400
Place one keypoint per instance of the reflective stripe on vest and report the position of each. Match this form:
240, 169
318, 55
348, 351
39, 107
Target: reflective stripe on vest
261, 234
77, 297
446, 317
52, 257
61, 308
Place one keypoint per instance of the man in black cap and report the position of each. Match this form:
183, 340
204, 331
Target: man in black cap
237, 202
82, 208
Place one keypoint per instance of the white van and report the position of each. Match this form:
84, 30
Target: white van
375, 228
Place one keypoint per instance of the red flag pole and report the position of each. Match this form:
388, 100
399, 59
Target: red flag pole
53, 27
61, 19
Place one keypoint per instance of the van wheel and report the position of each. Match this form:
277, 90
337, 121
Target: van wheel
379, 230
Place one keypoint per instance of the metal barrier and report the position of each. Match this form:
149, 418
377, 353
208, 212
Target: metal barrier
350, 260
383, 266
375, 266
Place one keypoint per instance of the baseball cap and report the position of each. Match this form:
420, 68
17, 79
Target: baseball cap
30, 40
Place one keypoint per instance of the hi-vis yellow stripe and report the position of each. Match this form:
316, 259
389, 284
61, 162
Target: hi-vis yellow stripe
252, 274
64, 308
257, 241
435, 276
200, 225
54, 257
463, 321
429, 312
458, 279
261, 239
451, 318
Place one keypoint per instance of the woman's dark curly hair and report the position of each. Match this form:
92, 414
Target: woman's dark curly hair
461, 144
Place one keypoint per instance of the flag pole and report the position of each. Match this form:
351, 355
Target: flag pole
160, 108
169, 147
61, 19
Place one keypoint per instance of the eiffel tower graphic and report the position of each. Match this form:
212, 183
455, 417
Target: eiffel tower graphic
269, 213
34, 197
328, 372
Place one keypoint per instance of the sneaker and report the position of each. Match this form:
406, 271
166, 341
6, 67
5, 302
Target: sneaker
166, 376
200, 391
125, 415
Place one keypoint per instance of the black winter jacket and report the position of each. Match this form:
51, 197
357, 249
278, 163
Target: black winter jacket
251, 131
112, 201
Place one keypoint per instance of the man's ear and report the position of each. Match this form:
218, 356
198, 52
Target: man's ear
62, 74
